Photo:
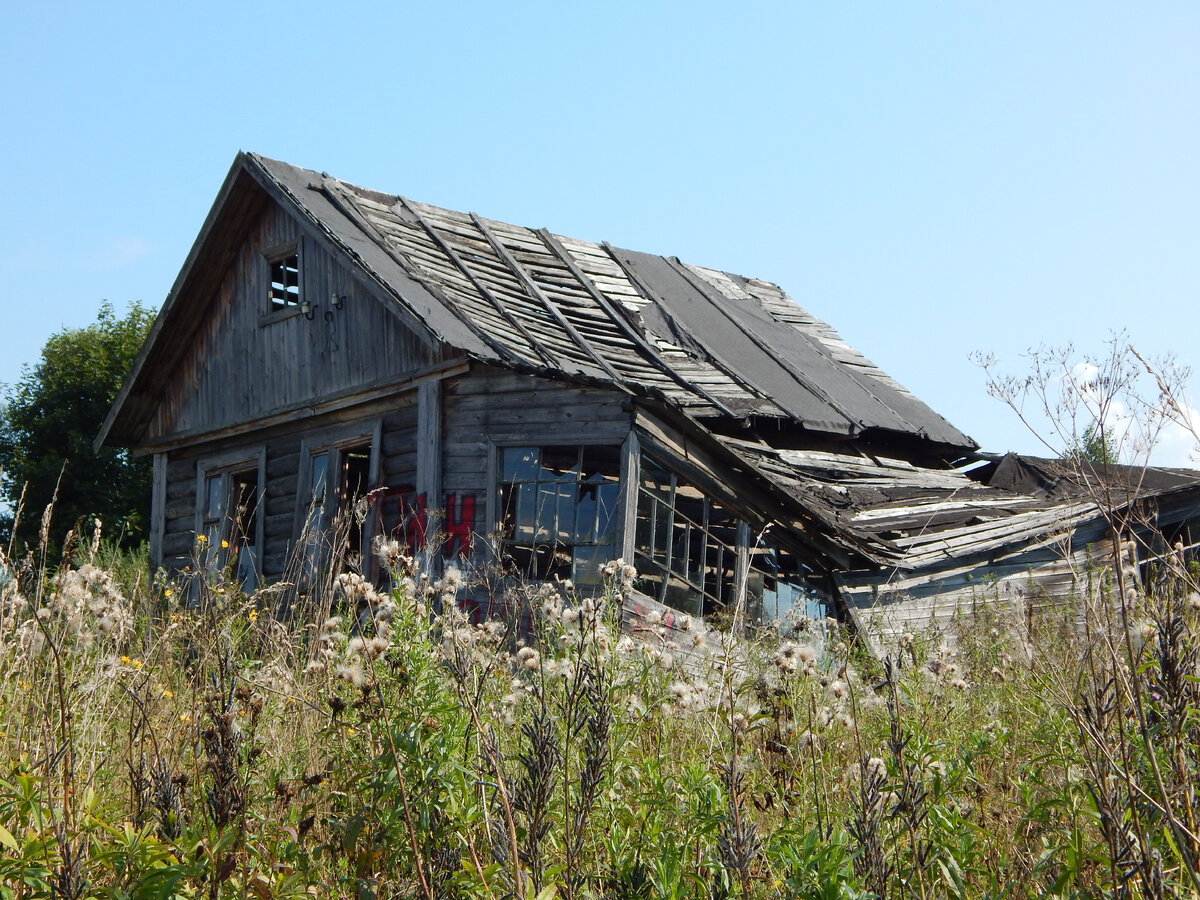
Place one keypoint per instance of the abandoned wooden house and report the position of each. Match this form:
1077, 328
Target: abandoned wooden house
548, 404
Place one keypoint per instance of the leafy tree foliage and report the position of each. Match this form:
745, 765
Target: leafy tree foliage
48, 422
1094, 447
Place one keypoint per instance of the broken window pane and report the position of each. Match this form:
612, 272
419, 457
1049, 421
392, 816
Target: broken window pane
685, 543
782, 591
558, 511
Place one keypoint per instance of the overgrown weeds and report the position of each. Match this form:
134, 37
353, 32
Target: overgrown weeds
393, 746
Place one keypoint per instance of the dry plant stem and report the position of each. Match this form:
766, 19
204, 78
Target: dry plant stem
898, 742
505, 801
403, 785
12, 539
1189, 864
819, 798
478, 865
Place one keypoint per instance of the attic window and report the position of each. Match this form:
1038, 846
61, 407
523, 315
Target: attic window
284, 292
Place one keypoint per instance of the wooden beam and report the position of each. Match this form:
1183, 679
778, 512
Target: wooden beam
547, 357
429, 442
361, 395
650, 353
532, 287
631, 465
158, 509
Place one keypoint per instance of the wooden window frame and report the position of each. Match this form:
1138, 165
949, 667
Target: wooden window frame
334, 441
495, 511
270, 257
225, 467
749, 587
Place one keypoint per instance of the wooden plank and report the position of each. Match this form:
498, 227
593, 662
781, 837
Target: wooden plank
538, 348
429, 439
530, 285
379, 391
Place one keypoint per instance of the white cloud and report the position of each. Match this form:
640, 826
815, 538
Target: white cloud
1178, 445
1152, 434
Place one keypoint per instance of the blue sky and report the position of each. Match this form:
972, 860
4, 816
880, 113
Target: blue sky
934, 180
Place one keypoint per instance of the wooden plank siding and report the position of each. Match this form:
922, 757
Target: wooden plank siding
490, 408
284, 466
246, 363
1047, 586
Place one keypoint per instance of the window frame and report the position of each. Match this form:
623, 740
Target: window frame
496, 511
749, 589
332, 443
224, 468
270, 311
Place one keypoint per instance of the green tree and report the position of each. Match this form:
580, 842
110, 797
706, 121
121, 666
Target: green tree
49, 421
1094, 447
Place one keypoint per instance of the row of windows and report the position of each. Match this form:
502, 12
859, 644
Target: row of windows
558, 518
230, 498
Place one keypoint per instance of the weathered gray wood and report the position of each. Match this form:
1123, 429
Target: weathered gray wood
158, 505
454, 258
347, 405
245, 364
631, 458
429, 440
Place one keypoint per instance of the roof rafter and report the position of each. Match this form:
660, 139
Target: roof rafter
549, 358
530, 285
346, 206
618, 318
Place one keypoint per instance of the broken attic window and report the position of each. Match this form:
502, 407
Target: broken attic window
558, 511
686, 545
284, 292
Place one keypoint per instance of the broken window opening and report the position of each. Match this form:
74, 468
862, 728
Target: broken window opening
1161, 555
687, 554
335, 531
784, 592
284, 291
686, 545
229, 523
559, 511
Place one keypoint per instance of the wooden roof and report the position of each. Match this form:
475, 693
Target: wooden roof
707, 341
711, 343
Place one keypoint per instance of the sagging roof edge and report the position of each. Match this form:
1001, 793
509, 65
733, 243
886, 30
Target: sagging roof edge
834, 537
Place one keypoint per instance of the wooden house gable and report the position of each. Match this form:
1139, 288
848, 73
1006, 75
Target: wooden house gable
288, 326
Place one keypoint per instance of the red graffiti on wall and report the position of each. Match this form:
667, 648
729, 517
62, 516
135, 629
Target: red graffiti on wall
459, 529
412, 519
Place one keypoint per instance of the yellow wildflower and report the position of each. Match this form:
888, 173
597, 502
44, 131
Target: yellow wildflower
126, 660
184, 717
168, 693
202, 539
224, 544
254, 615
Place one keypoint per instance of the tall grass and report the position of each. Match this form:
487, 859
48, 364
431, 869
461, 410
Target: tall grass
394, 748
